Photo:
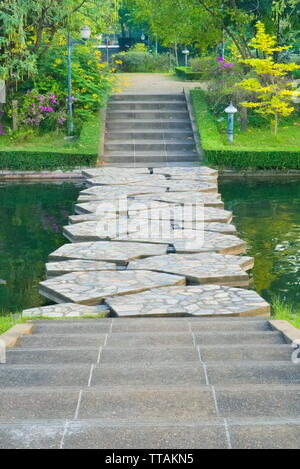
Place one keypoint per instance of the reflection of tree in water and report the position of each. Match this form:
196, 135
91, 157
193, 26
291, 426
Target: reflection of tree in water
267, 216
31, 220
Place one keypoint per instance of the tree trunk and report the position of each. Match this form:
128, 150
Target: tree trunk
244, 119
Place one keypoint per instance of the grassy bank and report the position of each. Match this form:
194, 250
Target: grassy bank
286, 312
8, 321
50, 151
254, 149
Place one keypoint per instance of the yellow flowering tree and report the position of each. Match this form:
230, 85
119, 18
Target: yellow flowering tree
274, 91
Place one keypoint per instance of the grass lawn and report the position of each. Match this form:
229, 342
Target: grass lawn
288, 138
286, 312
258, 148
87, 143
8, 321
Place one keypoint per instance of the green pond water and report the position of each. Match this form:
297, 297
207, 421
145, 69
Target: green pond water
31, 219
267, 216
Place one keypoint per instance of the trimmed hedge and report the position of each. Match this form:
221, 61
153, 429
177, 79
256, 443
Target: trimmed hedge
38, 161
186, 73
217, 154
253, 159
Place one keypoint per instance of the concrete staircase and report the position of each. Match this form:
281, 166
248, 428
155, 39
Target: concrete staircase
150, 383
143, 129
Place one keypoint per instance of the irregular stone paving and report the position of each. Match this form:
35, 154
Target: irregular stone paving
122, 206
186, 213
181, 172
91, 287
106, 251
133, 232
171, 185
66, 310
54, 269
201, 300
189, 241
109, 192
200, 268
183, 197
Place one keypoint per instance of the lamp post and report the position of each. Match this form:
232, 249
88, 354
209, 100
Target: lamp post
85, 34
185, 53
230, 111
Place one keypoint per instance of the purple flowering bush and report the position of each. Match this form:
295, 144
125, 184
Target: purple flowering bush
42, 110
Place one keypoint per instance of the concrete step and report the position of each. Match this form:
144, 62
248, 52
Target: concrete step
150, 156
143, 325
56, 327
96, 434
258, 401
168, 115
147, 97
146, 339
207, 433
168, 374
44, 375
134, 124
235, 373
149, 134
144, 106
53, 356
150, 145
238, 337
62, 340
180, 354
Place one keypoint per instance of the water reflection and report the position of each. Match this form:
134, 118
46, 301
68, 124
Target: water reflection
31, 220
267, 216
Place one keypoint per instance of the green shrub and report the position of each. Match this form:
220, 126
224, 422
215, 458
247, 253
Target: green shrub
142, 62
39, 161
203, 65
186, 73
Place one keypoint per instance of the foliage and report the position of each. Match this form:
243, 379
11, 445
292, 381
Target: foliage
92, 80
144, 62
38, 109
29, 27
139, 47
274, 91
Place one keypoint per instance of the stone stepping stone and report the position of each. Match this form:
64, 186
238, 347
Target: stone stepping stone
190, 241
195, 186
119, 206
65, 310
200, 268
102, 229
106, 251
224, 228
113, 171
200, 300
120, 179
208, 200
113, 192
54, 269
187, 213
185, 172
90, 288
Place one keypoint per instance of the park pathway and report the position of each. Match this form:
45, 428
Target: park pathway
186, 357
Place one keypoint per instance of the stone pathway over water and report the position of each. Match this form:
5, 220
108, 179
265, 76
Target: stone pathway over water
186, 358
